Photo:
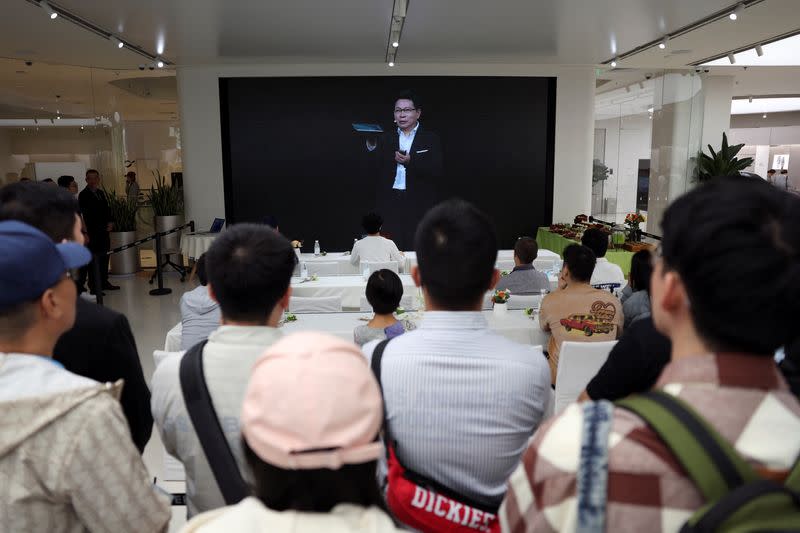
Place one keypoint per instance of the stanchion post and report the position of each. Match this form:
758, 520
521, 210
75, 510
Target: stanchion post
98, 283
161, 290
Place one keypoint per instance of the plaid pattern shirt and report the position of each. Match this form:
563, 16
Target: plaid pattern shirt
743, 397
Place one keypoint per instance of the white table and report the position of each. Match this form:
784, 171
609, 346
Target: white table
350, 288
196, 244
502, 255
345, 268
514, 325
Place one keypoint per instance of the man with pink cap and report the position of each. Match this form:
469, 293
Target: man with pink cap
310, 421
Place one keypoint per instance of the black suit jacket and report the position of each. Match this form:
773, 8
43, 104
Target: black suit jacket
100, 346
97, 215
422, 172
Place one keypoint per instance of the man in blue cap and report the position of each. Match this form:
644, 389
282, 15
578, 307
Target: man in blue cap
66, 455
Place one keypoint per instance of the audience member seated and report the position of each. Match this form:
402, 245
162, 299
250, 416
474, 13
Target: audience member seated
461, 400
605, 273
249, 267
100, 345
200, 313
67, 462
311, 415
578, 312
525, 279
635, 297
721, 366
373, 247
384, 292
633, 365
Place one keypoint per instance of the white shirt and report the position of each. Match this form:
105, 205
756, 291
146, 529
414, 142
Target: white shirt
375, 248
462, 401
227, 360
406, 140
607, 272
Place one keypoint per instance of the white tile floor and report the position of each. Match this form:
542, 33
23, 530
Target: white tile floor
150, 318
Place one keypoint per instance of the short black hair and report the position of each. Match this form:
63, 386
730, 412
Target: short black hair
408, 94
456, 249
771, 171
50, 209
249, 269
580, 260
735, 243
384, 291
91, 171
372, 223
64, 181
48, 180
784, 171
526, 249
200, 267
641, 270
596, 240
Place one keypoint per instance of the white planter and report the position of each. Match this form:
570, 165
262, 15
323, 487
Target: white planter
126, 262
500, 309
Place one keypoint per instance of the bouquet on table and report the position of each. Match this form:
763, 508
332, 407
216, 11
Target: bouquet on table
501, 297
632, 220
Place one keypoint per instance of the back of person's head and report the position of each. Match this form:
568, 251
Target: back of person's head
641, 270
64, 181
249, 267
526, 249
310, 420
580, 261
596, 240
202, 275
384, 291
784, 171
734, 243
52, 210
372, 223
456, 250
771, 171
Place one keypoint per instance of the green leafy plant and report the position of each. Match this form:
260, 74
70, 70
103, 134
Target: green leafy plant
165, 198
600, 172
123, 211
721, 163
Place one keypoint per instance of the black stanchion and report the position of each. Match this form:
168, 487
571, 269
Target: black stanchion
98, 282
161, 290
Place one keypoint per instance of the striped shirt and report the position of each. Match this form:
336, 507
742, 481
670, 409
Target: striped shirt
462, 401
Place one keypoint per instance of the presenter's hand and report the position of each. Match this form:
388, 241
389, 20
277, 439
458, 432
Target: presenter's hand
403, 159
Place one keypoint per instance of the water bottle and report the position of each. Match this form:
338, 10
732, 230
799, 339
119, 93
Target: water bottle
303, 270
316, 248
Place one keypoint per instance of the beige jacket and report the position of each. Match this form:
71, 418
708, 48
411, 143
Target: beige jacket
68, 465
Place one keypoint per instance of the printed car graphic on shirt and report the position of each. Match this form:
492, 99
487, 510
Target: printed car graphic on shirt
589, 324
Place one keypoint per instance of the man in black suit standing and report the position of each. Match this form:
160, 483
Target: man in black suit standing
409, 166
97, 216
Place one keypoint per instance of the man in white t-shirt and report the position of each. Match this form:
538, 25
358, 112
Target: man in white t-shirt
373, 247
606, 274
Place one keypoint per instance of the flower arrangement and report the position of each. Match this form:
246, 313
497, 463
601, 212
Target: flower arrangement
529, 311
297, 244
290, 317
634, 219
501, 297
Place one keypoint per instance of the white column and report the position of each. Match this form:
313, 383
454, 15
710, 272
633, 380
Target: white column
717, 95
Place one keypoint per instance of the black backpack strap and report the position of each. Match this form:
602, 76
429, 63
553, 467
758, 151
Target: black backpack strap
207, 427
377, 358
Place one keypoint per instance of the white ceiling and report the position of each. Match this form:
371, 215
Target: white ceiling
765, 105
785, 52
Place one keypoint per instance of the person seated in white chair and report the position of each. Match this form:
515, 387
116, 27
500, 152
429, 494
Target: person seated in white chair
384, 292
200, 314
524, 279
605, 273
373, 247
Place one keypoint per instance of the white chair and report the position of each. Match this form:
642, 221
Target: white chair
578, 362
407, 302
322, 269
523, 301
318, 304
544, 265
505, 264
394, 266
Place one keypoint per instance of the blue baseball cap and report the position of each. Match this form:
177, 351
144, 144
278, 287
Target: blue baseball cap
31, 263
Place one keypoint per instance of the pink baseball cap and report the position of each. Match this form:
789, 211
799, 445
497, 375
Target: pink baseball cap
312, 402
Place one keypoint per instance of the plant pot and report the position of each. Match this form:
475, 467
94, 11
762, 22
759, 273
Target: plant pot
172, 242
125, 262
500, 309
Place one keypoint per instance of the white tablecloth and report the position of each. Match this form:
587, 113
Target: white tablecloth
502, 255
345, 268
514, 325
195, 244
350, 288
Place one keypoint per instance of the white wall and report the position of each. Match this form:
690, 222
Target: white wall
6, 163
776, 140
198, 98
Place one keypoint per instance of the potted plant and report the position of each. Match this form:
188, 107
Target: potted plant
500, 300
721, 163
123, 214
167, 202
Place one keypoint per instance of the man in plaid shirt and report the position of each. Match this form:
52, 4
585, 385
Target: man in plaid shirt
724, 329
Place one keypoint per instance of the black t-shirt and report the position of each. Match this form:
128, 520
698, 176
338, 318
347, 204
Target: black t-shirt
633, 365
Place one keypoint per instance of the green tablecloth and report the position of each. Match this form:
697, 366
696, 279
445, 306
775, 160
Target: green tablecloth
556, 243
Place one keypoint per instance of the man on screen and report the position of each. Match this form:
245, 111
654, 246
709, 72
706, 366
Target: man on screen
409, 161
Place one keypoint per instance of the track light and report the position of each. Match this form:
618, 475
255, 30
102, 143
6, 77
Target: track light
759, 50
391, 63
736, 12
614, 63
116, 41
395, 44
750, 99
663, 44
732, 58
764, 115
49, 10
160, 62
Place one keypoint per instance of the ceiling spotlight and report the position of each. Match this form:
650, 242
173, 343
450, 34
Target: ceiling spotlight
759, 50
764, 115
49, 10
391, 63
614, 63
116, 41
395, 44
736, 12
750, 99
732, 58
663, 44
159, 62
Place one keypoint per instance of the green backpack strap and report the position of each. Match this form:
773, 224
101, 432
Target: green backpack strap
711, 462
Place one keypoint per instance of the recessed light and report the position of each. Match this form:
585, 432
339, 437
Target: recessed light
391, 63
764, 115
159, 62
395, 44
